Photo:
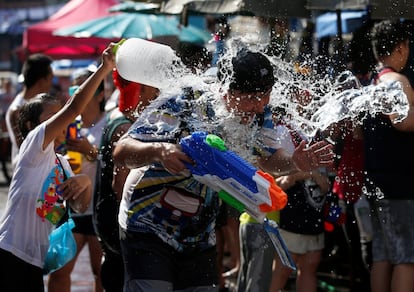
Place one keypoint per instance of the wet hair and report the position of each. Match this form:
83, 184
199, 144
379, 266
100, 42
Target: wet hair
31, 111
193, 55
36, 67
249, 72
387, 35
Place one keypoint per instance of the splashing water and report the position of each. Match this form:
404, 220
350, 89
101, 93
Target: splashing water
314, 103
311, 101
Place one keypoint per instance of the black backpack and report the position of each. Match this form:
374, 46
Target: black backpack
105, 204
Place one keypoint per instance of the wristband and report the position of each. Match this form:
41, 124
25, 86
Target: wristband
92, 154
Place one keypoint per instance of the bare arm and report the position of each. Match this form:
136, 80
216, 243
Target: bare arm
58, 123
407, 125
118, 180
77, 191
120, 172
287, 181
133, 154
304, 158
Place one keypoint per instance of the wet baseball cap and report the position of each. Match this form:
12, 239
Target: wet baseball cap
248, 72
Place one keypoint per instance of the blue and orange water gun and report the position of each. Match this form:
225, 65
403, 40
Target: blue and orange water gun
237, 182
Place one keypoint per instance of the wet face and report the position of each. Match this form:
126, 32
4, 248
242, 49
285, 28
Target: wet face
247, 105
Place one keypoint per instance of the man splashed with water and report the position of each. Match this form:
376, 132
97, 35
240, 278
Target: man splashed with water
168, 218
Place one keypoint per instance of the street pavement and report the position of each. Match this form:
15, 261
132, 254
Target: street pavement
82, 277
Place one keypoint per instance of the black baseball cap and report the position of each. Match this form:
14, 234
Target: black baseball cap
249, 72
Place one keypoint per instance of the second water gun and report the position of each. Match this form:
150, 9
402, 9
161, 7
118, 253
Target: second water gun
74, 157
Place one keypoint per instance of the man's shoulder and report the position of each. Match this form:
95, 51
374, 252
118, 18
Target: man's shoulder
16, 103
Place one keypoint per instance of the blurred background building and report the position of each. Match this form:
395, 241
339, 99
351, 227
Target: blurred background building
15, 17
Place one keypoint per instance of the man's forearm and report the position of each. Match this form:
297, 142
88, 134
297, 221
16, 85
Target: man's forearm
133, 153
280, 163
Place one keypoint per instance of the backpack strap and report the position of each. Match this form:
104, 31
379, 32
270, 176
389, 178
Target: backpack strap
111, 126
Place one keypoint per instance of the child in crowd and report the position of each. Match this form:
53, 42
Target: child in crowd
39, 191
92, 121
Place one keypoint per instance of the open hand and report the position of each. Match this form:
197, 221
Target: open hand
320, 154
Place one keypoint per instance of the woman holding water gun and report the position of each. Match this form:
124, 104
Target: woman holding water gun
167, 218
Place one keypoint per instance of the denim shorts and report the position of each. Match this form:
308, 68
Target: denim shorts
393, 236
153, 265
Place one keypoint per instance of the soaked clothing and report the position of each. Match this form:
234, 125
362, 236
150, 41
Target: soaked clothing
177, 208
170, 219
150, 261
256, 249
167, 221
256, 258
388, 165
388, 156
388, 159
394, 234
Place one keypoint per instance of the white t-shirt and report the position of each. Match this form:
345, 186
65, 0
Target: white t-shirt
33, 206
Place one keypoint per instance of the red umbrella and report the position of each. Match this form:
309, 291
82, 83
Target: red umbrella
39, 38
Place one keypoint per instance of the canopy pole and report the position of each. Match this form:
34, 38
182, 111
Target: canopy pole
339, 27
339, 43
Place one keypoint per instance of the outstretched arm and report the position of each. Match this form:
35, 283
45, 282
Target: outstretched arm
406, 125
76, 104
133, 154
303, 158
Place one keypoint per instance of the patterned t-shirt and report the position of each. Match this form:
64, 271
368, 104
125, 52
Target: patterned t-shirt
177, 208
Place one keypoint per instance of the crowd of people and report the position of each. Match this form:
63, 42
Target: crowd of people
150, 225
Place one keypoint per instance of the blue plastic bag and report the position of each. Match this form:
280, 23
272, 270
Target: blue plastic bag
62, 247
